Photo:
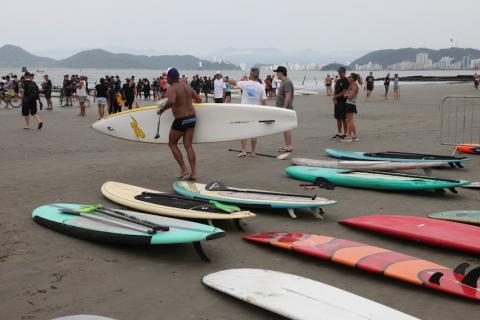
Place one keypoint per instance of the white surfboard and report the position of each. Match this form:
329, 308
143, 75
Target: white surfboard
298, 298
366, 165
215, 123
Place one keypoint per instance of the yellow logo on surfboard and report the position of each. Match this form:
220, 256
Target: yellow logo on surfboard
136, 129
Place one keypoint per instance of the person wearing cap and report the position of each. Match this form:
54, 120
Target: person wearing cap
285, 100
47, 91
179, 99
219, 88
254, 93
29, 102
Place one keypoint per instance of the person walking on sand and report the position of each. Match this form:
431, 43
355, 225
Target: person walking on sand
386, 84
228, 91
47, 91
100, 95
285, 100
339, 100
128, 91
254, 93
219, 88
180, 96
370, 80
396, 87
351, 106
476, 81
328, 84
31, 93
82, 95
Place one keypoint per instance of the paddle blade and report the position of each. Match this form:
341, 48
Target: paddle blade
216, 186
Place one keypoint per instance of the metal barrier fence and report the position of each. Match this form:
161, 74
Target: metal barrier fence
460, 120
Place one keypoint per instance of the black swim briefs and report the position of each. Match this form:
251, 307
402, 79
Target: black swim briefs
184, 123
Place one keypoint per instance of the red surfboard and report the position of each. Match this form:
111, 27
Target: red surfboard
378, 260
468, 148
440, 233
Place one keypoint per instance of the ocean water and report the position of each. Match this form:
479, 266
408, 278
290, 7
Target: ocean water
307, 79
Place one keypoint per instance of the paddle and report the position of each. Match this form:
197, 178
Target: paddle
161, 103
396, 174
283, 156
105, 220
219, 186
123, 216
221, 206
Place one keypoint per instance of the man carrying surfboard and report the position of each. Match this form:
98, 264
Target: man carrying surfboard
252, 93
180, 96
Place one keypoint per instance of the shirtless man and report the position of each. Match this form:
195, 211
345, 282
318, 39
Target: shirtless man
180, 96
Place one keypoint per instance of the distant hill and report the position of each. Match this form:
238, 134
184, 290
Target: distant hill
333, 67
12, 56
392, 56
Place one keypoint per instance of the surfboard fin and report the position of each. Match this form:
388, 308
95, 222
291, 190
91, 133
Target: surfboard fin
458, 164
324, 183
471, 278
199, 250
238, 224
435, 278
453, 190
461, 268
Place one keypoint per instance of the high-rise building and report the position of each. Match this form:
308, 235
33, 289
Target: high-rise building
422, 58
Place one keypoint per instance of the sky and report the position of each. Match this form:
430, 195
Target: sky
201, 27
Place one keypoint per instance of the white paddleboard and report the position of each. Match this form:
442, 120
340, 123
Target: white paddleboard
83, 317
215, 123
366, 165
298, 298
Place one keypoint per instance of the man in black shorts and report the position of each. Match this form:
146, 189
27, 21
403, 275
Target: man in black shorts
29, 102
339, 102
47, 91
180, 96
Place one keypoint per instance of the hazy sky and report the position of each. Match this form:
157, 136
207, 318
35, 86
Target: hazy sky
201, 27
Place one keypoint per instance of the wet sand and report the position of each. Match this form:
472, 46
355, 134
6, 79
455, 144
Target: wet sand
44, 274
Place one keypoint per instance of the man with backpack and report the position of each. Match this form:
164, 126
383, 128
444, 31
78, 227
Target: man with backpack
31, 94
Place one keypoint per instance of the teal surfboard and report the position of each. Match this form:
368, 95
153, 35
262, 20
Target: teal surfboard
117, 231
372, 180
393, 156
465, 216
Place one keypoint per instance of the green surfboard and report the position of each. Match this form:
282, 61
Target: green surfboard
465, 216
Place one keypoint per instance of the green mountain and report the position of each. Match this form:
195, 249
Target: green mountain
12, 56
392, 56
334, 67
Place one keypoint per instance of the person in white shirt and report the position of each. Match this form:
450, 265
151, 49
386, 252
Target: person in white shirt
274, 86
253, 92
82, 95
218, 88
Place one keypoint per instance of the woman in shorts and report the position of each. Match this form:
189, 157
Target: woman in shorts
396, 87
351, 106
100, 95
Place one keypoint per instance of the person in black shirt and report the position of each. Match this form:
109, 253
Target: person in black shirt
47, 91
29, 102
67, 91
386, 83
370, 82
146, 89
339, 101
128, 91
100, 95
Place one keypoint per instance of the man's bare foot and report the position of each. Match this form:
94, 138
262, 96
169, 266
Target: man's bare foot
192, 177
183, 174
242, 155
253, 154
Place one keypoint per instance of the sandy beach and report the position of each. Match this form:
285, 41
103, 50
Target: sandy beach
45, 274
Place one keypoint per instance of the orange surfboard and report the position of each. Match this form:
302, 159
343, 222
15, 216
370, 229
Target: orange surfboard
378, 260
